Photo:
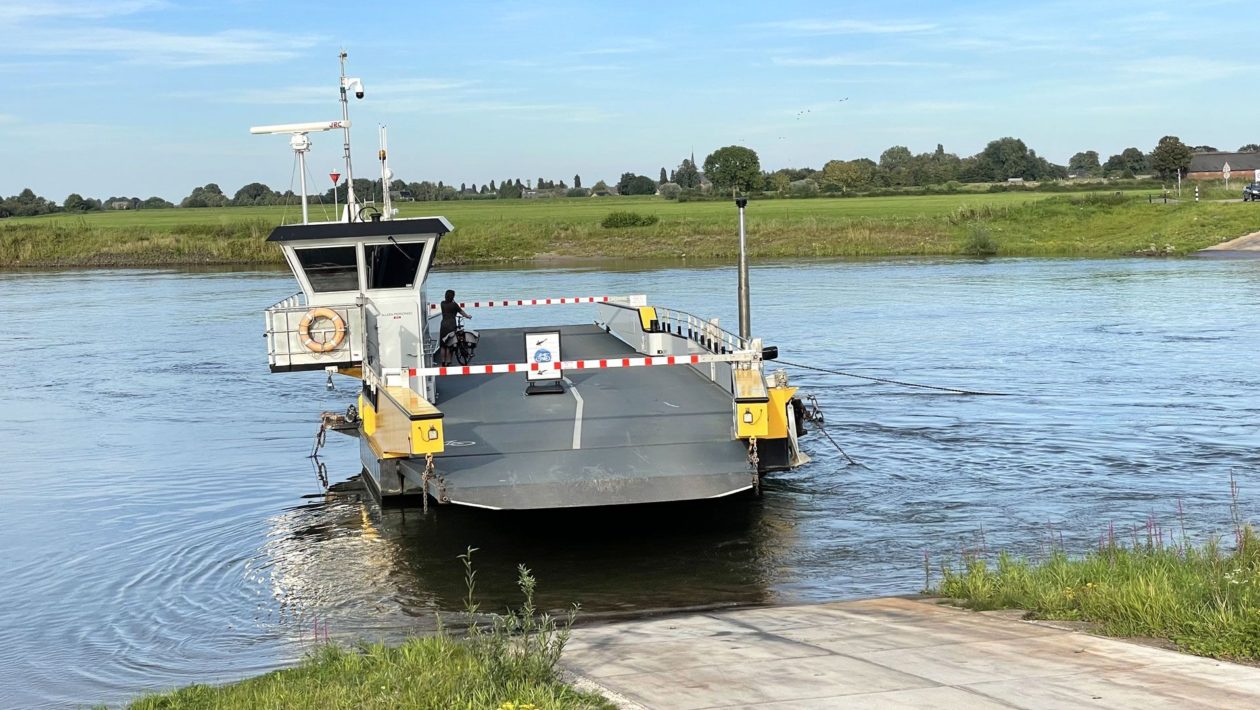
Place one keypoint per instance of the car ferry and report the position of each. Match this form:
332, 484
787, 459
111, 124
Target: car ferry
638, 404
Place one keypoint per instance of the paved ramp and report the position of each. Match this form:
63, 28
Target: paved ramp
615, 437
1247, 245
890, 653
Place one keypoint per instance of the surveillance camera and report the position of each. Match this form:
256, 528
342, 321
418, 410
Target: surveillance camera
358, 94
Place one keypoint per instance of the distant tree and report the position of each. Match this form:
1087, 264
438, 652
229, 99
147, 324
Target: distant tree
601, 188
492, 187
74, 203
894, 166
253, 194
779, 181
1171, 157
1003, 159
639, 185
1085, 162
1203, 149
624, 183
577, 181
664, 178
733, 168
156, 203
687, 176
578, 192
803, 188
670, 190
1250, 148
1127, 163
208, 195
844, 175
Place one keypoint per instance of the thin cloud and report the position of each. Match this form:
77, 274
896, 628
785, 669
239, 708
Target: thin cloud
231, 47
1184, 70
844, 61
313, 95
25, 10
849, 27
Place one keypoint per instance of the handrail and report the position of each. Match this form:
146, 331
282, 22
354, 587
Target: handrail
693, 326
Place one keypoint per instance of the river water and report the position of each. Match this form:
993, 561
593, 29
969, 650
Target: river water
162, 525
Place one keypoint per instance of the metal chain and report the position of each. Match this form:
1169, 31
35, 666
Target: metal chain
320, 437
754, 460
425, 478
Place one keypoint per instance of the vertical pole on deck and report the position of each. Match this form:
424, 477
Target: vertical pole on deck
301, 152
745, 325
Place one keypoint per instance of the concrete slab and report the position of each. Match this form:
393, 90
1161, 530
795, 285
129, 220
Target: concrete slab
891, 653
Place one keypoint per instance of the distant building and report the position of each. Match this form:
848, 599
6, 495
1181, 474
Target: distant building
1208, 166
120, 205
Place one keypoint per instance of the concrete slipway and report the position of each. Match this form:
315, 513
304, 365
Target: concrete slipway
890, 653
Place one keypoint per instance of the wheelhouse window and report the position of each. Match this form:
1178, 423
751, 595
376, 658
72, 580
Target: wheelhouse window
330, 268
393, 265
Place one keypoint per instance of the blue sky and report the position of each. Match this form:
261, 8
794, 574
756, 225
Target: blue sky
153, 97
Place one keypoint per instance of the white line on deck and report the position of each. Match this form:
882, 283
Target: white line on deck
577, 415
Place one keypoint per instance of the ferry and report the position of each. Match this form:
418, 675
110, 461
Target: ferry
635, 403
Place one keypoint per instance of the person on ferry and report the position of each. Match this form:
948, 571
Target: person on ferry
450, 309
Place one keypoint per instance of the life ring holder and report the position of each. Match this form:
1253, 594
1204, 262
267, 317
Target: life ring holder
304, 330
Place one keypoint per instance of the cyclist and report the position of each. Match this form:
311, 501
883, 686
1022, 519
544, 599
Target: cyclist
450, 309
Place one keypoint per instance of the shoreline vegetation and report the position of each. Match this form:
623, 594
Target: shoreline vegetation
1016, 223
1145, 583
508, 663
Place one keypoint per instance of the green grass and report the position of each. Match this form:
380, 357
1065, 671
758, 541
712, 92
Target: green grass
432, 672
1018, 224
1204, 599
508, 664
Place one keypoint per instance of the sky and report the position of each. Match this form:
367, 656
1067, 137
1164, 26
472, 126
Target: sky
155, 97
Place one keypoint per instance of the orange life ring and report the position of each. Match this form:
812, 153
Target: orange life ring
315, 346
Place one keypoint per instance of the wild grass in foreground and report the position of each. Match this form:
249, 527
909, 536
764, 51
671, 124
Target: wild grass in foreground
508, 664
1205, 599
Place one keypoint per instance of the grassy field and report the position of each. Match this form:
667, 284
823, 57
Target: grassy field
1008, 224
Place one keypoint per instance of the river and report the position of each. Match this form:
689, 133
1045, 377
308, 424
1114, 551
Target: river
161, 522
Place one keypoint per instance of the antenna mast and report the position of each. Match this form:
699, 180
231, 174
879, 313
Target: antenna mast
347, 82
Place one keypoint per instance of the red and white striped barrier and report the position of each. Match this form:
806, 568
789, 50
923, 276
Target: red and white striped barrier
433, 307
503, 368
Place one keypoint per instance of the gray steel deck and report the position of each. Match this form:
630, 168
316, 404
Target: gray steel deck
644, 434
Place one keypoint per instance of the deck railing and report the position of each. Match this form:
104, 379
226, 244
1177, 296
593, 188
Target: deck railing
285, 349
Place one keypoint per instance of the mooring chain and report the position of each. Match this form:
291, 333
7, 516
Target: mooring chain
754, 461
425, 478
320, 437
815, 416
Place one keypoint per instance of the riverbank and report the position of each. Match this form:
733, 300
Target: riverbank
1203, 600
1001, 224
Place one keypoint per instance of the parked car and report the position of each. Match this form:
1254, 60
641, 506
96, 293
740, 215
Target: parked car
1251, 193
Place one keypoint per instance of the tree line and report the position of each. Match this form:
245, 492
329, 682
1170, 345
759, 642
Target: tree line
732, 168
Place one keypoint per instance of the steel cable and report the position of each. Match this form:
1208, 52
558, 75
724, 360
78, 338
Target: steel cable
893, 382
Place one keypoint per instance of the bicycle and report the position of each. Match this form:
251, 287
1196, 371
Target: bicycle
463, 343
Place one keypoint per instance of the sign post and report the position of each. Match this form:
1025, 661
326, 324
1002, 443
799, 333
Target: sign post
336, 178
543, 348
1225, 173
